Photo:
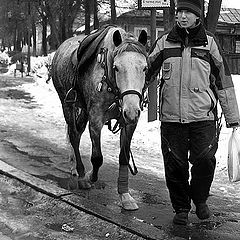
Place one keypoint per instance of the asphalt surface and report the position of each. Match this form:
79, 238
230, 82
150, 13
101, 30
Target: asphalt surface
33, 210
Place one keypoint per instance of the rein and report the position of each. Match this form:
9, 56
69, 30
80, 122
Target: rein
112, 87
71, 96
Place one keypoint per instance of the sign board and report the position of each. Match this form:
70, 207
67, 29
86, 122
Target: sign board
158, 4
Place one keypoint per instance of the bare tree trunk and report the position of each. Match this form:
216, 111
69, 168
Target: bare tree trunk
214, 8
54, 29
95, 13
169, 16
44, 36
87, 17
113, 12
203, 11
34, 33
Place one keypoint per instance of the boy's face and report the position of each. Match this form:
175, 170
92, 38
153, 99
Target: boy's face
186, 19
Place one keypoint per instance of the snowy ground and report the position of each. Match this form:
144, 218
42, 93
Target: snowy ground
146, 140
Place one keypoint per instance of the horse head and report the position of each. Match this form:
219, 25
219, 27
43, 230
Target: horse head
129, 66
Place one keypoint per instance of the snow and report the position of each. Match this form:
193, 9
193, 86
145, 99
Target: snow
146, 140
4, 56
231, 4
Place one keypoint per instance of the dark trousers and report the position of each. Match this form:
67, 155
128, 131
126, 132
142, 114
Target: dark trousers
183, 143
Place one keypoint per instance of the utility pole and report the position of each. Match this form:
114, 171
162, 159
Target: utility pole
152, 90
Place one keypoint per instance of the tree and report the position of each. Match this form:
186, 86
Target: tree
113, 12
87, 16
59, 15
10, 17
95, 15
214, 8
169, 15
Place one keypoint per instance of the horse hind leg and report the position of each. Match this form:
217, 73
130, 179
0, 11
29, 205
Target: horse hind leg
96, 156
75, 130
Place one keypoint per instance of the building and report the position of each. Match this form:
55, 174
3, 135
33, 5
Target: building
228, 30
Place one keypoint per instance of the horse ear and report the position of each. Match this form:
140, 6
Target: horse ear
117, 39
143, 37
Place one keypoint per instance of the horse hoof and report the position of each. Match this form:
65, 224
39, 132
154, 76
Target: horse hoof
73, 183
128, 202
90, 177
83, 183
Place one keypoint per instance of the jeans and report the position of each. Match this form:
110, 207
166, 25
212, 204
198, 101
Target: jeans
196, 143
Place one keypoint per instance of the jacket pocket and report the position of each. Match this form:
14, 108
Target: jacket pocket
201, 102
166, 70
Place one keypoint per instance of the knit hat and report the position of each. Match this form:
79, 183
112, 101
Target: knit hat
193, 6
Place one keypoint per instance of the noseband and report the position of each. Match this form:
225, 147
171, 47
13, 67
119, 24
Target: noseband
132, 92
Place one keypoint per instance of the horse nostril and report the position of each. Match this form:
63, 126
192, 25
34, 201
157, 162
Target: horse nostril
131, 117
139, 112
125, 114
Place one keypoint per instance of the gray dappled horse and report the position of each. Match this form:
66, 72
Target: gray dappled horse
99, 80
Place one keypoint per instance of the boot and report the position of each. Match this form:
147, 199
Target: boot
181, 218
202, 211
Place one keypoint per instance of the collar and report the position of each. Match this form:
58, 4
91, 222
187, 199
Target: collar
196, 36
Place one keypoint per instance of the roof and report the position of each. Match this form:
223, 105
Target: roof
229, 15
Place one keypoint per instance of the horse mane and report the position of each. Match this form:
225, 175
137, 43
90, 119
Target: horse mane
130, 44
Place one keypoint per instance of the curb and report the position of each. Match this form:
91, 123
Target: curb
125, 222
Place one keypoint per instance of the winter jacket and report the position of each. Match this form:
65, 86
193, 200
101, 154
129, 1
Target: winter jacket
194, 76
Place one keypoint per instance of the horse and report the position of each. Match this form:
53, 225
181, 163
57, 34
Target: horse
99, 78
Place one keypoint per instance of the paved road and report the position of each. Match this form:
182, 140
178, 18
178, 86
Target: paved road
31, 209
23, 147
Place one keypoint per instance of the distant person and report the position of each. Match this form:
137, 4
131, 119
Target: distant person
194, 77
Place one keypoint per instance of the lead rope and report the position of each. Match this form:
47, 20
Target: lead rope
219, 126
133, 170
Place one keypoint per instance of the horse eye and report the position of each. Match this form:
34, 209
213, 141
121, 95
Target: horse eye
145, 69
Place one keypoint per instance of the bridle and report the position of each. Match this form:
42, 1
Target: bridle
110, 80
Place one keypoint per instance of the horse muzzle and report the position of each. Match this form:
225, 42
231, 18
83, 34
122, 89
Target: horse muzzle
131, 106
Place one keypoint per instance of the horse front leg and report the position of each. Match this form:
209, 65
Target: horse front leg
127, 201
